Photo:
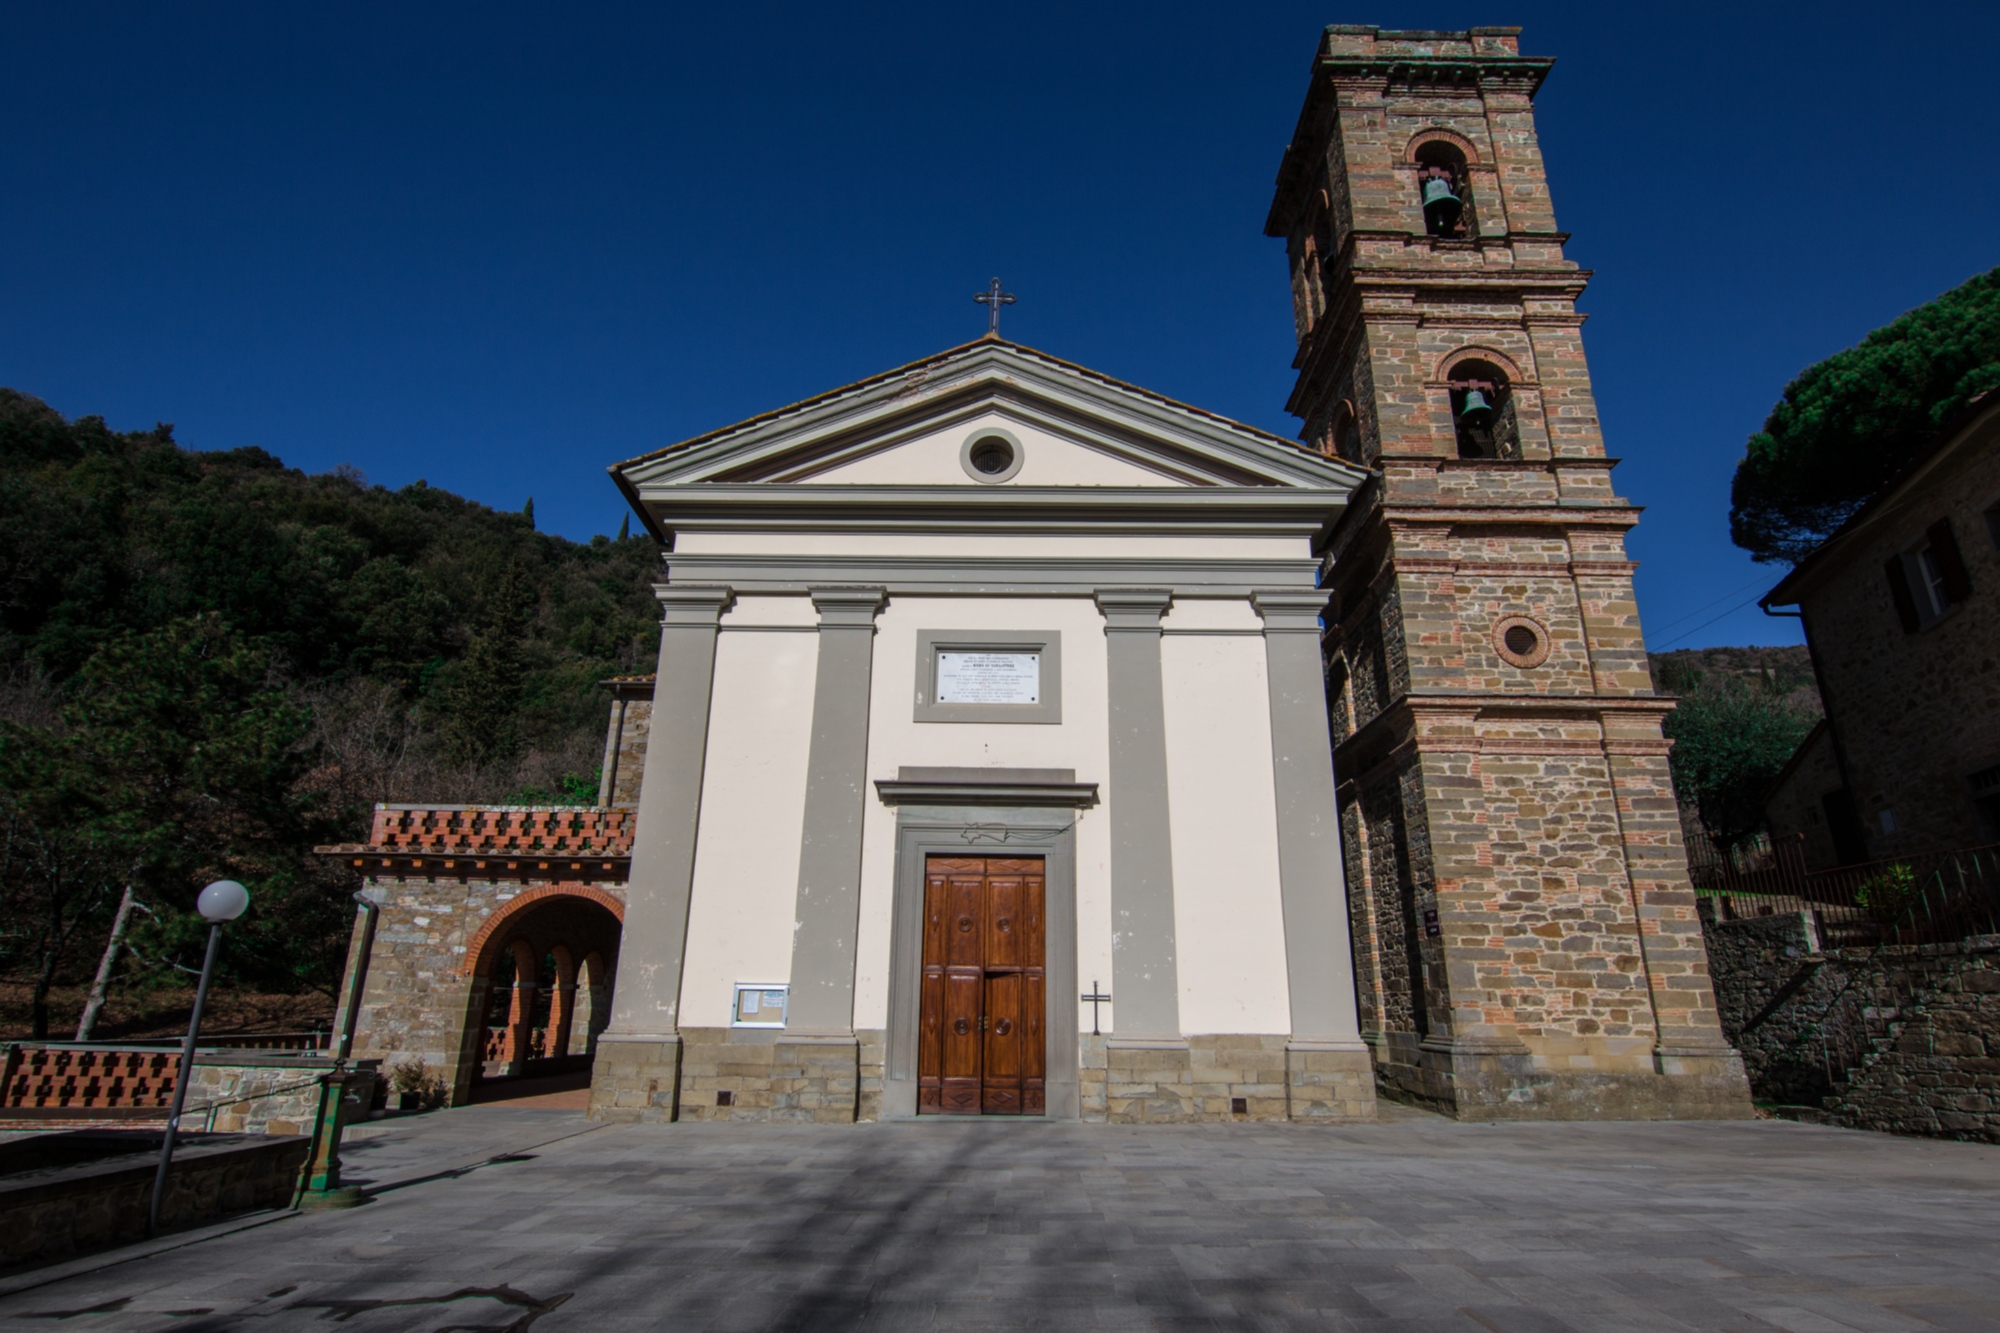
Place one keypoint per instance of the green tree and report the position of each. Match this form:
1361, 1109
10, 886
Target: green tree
1851, 424
61, 861
198, 756
480, 698
242, 653
1731, 736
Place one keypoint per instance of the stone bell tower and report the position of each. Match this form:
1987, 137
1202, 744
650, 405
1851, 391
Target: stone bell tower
1525, 935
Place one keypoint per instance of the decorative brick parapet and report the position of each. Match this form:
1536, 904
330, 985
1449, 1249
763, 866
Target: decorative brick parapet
77, 1085
588, 842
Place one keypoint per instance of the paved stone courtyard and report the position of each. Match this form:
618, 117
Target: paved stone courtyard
1416, 1223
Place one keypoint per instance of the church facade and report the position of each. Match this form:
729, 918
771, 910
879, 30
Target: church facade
1024, 742
985, 684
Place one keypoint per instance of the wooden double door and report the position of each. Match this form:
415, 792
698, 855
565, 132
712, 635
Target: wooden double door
981, 1046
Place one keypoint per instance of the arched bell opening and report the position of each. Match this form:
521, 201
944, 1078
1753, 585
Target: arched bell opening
541, 989
1343, 437
1444, 190
1482, 411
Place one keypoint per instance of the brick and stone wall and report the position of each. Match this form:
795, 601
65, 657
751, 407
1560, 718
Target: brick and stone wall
1221, 1078
625, 741
239, 1094
1526, 933
428, 993
1795, 805
459, 886
1904, 1039
1915, 714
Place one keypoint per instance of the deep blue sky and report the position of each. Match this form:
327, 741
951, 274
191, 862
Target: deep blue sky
501, 246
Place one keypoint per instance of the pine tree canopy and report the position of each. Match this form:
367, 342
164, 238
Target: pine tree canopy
1850, 425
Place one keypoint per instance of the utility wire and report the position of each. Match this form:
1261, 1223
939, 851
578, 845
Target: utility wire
1706, 623
1756, 582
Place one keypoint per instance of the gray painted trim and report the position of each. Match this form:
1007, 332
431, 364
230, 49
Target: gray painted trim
653, 947
995, 786
1005, 474
978, 829
1319, 958
1144, 972
1018, 576
1046, 642
966, 773
826, 920
804, 506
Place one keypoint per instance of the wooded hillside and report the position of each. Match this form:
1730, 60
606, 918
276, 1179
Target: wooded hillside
209, 661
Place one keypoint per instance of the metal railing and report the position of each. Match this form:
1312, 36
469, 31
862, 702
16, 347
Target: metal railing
1929, 898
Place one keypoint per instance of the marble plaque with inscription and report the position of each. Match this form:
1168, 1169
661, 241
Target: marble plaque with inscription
965, 677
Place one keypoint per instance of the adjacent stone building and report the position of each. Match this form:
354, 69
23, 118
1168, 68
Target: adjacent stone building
1901, 610
1526, 936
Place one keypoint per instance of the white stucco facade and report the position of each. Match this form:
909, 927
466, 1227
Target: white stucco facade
1158, 563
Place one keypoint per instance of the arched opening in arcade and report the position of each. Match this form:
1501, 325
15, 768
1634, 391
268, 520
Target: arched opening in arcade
542, 971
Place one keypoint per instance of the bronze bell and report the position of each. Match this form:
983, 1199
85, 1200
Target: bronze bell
1476, 411
1441, 206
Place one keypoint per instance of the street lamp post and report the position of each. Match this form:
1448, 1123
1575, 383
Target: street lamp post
219, 904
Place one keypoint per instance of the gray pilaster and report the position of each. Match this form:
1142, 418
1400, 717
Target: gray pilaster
829, 903
1319, 959
646, 999
1145, 981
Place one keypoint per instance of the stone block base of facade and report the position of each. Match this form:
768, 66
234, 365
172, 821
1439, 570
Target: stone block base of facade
1219, 1078
1329, 1085
728, 1075
1476, 1078
635, 1080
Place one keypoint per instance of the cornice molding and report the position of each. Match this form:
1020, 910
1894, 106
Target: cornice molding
1014, 787
1016, 576
1189, 447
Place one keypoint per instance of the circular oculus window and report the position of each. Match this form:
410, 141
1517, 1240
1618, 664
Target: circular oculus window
1521, 642
990, 455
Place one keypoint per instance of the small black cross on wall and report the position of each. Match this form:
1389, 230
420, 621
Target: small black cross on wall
1095, 998
993, 298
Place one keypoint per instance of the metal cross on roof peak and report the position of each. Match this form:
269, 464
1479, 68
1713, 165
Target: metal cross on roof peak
993, 298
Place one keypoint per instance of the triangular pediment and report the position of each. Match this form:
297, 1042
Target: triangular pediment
908, 427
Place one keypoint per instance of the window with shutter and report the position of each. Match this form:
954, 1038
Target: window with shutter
1929, 581
1899, 592
1953, 581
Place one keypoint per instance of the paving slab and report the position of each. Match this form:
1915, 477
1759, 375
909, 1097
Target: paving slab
1415, 1223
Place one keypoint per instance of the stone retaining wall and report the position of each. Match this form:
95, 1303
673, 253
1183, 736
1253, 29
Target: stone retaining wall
54, 1212
1904, 1038
236, 1094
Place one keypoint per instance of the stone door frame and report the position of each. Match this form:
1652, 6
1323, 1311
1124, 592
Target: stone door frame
971, 829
